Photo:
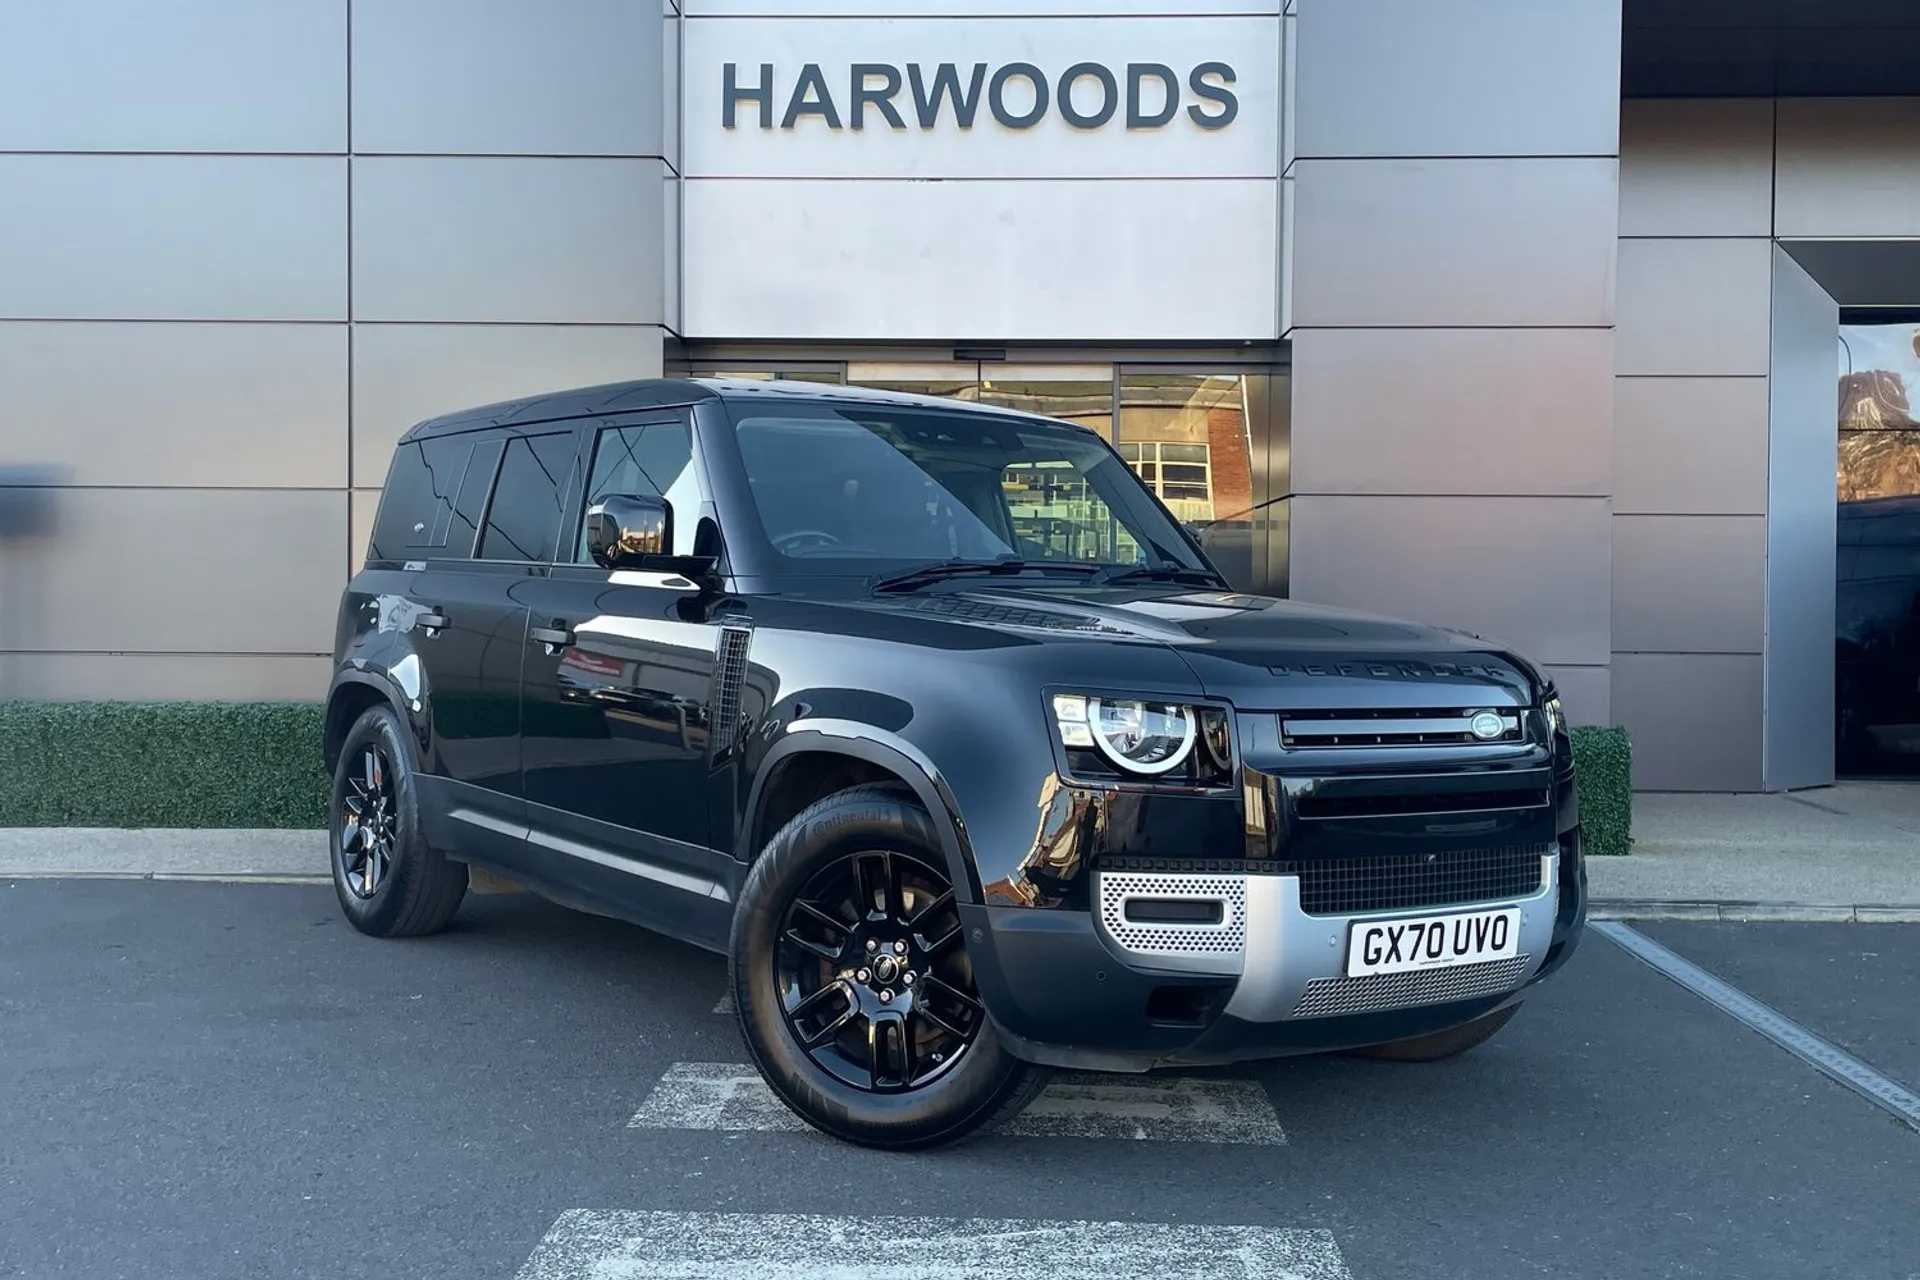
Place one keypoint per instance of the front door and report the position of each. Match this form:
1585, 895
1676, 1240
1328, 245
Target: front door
617, 747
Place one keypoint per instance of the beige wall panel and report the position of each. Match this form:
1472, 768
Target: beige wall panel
404, 373
1694, 307
155, 677
1690, 446
1848, 167
1689, 584
1532, 572
1696, 168
365, 505
1694, 719
1454, 243
1585, 692
190, 571
1467, 411
191, 405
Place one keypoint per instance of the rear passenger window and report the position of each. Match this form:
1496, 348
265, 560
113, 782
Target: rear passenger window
523, 522
642, 461
434, 493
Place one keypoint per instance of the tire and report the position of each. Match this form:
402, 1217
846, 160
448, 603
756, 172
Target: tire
1441, 1044
415, 889
792, 974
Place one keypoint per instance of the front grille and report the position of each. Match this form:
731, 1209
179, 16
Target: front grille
1333, 997
1397, 882
1378, 727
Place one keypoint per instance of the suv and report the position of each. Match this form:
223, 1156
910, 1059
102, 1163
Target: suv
934, 721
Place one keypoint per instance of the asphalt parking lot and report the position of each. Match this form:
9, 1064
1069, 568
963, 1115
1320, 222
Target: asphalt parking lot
226, 1081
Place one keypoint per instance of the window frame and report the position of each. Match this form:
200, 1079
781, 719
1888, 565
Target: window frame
567, 491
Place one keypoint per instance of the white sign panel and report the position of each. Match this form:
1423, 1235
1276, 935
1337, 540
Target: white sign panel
993, 97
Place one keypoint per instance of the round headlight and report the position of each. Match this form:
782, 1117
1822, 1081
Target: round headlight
1144, 737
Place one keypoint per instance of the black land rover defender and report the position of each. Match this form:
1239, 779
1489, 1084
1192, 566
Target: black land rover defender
934, 721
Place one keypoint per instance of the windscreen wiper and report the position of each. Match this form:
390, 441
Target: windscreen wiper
939, 569
1165, 571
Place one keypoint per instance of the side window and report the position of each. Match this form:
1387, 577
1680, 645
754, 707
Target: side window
523, 521
643, 460
434, 492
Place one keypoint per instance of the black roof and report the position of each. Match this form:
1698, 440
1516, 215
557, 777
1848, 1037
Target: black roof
669, 393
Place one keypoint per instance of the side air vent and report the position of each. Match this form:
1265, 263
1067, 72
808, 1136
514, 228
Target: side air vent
729, 675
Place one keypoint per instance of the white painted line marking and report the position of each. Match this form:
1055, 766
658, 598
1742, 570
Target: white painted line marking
1820, 1053
584, 1244
726, 1003
732, 1097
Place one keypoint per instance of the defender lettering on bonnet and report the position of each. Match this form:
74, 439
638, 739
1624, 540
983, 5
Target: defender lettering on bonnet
1088, 95
1390, 670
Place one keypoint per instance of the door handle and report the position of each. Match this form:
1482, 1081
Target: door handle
553, 638
433, 621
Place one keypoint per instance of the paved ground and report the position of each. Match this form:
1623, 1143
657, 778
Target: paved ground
1856, 844
226, 1081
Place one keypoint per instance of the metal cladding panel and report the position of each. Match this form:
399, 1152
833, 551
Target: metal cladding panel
173, 75
1447, 79
1694, 306
1455, 243
1518, 570
403, 373
1140, 261
1848, 167
191, 571
1539, 401
508, 240
200, 405
1690, 446
93, 237
1802, 521
505, 77
1695, 719
1689, 584
1696, 168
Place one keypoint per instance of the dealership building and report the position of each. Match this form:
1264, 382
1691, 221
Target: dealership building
1521, 316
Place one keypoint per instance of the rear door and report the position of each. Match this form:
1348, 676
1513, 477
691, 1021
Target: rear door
457, 635
620, 740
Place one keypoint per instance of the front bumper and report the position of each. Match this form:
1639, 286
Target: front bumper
1086, 990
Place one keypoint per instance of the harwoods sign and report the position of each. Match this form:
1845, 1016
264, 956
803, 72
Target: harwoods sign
1018, 95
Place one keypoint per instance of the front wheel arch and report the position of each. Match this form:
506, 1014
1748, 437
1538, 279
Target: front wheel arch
868, 758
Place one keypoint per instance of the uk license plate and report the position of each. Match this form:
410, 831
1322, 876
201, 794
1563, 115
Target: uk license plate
1432, 942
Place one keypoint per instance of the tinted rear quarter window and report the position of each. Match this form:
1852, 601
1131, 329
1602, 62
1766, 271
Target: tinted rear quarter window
433, 497
523, 521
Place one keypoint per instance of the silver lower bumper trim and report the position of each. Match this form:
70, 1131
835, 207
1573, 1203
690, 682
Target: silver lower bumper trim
1290, 964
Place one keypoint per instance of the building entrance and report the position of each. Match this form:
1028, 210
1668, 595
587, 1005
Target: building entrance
1877, 637
1203, 436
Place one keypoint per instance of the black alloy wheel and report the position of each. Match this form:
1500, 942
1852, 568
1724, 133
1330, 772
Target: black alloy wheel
873, 981
391, 883
368, 821
853, 984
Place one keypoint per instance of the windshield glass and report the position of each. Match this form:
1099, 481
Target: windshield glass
848, 488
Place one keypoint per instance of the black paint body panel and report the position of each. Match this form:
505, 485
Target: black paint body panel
626, 776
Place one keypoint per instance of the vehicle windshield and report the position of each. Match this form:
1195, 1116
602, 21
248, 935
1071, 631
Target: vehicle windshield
850, 489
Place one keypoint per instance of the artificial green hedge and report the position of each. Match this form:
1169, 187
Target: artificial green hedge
1603, 775
161, 764
257, 764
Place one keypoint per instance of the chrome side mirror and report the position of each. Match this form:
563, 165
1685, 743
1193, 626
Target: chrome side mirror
626, 530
